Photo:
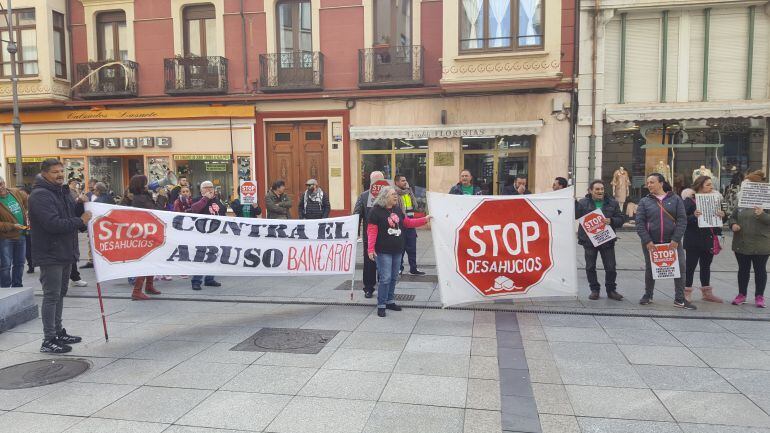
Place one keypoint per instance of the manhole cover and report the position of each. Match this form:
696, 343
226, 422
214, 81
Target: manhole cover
286, 340
43, 372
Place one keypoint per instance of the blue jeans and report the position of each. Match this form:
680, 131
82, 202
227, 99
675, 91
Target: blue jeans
198, 279
12, 258
388, 266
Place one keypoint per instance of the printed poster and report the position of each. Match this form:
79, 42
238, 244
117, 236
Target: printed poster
594, 226
665, 262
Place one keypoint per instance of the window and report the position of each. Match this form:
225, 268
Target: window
111, 36
294, 26
397, 156
495, 162
59, 46
200, 31
393, 22
501, 24
25, 36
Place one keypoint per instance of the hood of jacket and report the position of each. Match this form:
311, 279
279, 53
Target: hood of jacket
41, 182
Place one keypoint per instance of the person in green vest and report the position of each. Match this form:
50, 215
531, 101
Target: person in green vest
13, 232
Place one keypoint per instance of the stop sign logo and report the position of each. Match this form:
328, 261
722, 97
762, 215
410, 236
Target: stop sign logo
248, 187
127, 235
504, 247
663, 256
594, 224
377, 187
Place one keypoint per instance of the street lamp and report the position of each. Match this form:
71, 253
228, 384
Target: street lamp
15, 121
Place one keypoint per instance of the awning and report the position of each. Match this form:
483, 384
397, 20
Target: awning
446, 131
685, 111
682, 146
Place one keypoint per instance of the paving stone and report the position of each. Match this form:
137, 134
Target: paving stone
559, 424
606, 425
375, 341
587, 353
11, 399
674, 356
506, 321
734, 409
683, 378
482, 421
511, 358
483, 347
168, 350
428, 390
78, 399
354, 385
571, 321
128, 372
519, 414
532, 333
710, 339
199, 375
297, 360
444, 327
322, 415
484, 367
220, 353
537, 350
434, 364
270, 379
746, 359
162, 405
19, 422
747, 381
544, 371
483, 394
407, 418
402, 322
439, 344
188, 429
691, 325
706, 428
515, 383
601, 402
577, 335
509, 339
101, 425
617, 322
642, 337
552, 399
484, 330
236, 410
363, 360
616, 375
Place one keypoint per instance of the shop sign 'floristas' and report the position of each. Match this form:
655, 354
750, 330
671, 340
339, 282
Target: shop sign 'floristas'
113, 143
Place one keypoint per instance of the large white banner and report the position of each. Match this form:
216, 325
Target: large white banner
129, 242
504, 247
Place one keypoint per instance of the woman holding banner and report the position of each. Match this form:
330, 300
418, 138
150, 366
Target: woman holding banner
751, 245
139, 196
700, 243
660, 223
386, 238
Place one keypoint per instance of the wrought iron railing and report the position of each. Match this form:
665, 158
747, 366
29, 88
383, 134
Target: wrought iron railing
106, 79
292, 71
196, 75
390, 66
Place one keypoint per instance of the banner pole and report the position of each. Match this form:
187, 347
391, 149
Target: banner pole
101, 305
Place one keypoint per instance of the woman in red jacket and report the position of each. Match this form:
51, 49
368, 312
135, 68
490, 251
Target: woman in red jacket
385, 236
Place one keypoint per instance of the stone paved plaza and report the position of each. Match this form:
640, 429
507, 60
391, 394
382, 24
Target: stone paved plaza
606, 367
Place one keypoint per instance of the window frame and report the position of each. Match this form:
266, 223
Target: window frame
515, 46
394, 16
17, 29
296, 27
200, 13
62, 42
109, 17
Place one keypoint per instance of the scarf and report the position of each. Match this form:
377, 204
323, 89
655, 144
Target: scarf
316, 196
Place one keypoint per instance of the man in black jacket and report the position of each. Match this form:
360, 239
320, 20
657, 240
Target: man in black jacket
362, 209
314, 202
207, 204
597, 199
55, 227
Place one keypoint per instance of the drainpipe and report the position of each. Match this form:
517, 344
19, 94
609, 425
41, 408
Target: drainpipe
71, 64
594, 59
244, 51
574, 97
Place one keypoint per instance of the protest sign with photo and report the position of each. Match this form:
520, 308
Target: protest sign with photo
665, 262
597, 230
127, 242
754, 194
504, 247
708, 205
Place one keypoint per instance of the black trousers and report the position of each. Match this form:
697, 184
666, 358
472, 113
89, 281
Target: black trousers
608, 260
370, 269
692, 258
28, 251
74, 273
745, 262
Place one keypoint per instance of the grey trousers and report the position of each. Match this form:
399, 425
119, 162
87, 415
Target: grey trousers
55, 281
649, 283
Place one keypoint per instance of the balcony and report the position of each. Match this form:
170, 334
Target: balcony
293, 71
196, 75
106, 79
390, 66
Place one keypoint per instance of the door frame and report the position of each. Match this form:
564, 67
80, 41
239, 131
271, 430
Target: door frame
501, 153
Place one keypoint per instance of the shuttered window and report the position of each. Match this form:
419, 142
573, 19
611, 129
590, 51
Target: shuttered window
728, 54
672, 59
697, 32
642, 69
612, 62
759, 72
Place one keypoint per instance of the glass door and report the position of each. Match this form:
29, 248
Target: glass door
511, 166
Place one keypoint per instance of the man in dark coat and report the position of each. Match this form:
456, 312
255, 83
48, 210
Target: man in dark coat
55, 227
314, 202
465, 186
597, 199
361, 208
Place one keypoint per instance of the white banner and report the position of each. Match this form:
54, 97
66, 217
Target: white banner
665, 262
504, 247
130, 242
754, 194
708, 205
597, 230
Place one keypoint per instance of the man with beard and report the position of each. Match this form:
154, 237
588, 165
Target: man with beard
314, 202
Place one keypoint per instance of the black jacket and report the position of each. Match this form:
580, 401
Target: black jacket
54, 223
511, 190
314, 210
458, 190
363, 213
237, 208
697, 238
610, 209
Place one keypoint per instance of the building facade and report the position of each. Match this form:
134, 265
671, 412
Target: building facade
291, 90
679, 88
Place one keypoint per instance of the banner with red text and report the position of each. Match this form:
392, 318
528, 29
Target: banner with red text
129, 242
504, 247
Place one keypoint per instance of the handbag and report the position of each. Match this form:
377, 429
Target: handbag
716, 246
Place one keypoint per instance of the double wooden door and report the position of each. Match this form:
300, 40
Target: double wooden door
297, 152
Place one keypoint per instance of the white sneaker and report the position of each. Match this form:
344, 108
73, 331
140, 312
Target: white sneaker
80, 283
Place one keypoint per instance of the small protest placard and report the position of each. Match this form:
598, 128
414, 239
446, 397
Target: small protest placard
375, 189
708, 205
665, 262
248, 191
754, 194
596, 229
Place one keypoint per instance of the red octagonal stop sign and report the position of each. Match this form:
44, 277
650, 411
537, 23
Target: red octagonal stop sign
126, 235
503, 247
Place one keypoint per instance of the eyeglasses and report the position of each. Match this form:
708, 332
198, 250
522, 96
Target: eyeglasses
309, 184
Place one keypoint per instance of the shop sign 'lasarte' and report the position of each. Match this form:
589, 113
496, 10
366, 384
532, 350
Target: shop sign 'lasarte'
113, 143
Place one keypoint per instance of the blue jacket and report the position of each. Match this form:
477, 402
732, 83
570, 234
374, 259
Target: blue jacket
54, 223
661, 225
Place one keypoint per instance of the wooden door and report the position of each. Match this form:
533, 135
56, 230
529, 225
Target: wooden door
297, 152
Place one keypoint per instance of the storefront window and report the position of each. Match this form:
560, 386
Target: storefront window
157, 167
30, 167
495, 162
74, 169
244, 168
215, 168
397, 156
